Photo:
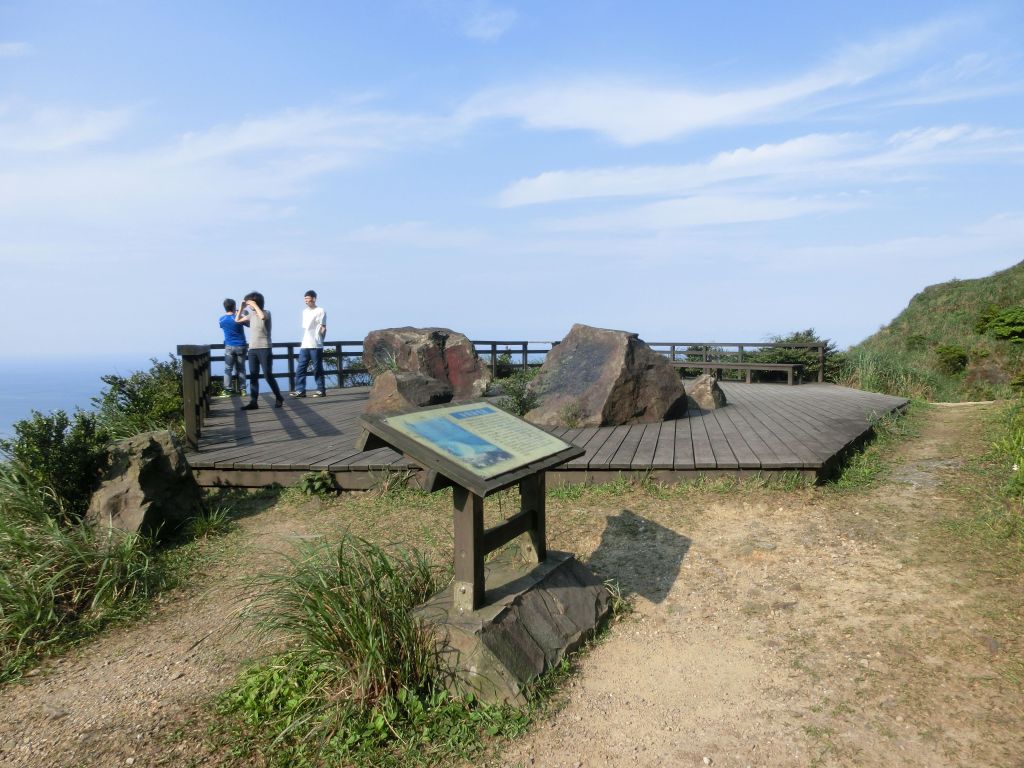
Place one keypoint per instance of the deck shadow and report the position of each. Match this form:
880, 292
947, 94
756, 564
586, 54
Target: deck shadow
642, 556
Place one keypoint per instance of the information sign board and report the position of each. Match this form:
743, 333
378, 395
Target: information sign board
473, 443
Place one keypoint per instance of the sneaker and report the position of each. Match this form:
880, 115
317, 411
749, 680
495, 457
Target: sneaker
250, 407
297, 394
279, 402
321, 393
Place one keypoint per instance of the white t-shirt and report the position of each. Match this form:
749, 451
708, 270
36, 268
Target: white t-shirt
312, 319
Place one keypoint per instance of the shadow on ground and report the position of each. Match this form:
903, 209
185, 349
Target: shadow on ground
642, 556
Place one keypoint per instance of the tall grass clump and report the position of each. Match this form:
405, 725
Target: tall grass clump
359, 680
1005, 518
888, 372
59, 580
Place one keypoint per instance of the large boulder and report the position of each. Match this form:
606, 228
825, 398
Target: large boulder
706, 393
437, 353
597, 377
401, 392
147, 486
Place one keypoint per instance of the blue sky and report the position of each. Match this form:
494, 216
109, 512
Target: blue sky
689, 171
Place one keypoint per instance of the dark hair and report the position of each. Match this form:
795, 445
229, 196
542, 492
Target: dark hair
255, 296
310, 293
229, 305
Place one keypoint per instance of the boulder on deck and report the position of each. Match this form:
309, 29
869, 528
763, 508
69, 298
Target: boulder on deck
597, 377
441, 354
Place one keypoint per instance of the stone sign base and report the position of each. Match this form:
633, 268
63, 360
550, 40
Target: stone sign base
534, 615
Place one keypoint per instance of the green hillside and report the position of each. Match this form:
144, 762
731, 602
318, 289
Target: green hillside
956, 341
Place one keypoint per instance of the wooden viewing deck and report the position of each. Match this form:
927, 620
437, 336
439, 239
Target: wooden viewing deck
766, 428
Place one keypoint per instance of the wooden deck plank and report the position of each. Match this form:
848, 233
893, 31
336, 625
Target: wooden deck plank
703, 453
764, 426
603, 456
623, 456
643, 458
682, 446
665, 451
745, 456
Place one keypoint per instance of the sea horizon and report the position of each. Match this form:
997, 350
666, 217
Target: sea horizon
50, 384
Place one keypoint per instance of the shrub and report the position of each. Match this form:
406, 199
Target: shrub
142, 402
1008, 324
517, 397
808, 357
951, 358
60, 453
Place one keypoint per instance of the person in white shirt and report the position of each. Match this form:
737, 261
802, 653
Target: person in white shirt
314, 329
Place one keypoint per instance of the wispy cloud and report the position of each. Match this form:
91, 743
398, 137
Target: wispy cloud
699, 211
254, 168
14, 50
631, 112
818, 159
484, 21
51, 129
418, 234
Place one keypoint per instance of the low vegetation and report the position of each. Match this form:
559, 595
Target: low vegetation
60, 580
956, 341
359, 679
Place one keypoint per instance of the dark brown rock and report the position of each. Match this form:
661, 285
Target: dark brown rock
147, 486
597, 377
437, 353
706, 392
401, 392
536, 616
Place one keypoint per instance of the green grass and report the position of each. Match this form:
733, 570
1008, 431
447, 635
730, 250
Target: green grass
358, 681
863, 469
906, 357
63, 581
996, 517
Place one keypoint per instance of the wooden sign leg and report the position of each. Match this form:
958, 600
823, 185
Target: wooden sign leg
468, 589
531, 495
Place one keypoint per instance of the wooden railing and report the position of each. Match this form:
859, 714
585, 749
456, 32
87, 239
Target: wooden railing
195, 389
343, 363
716, 351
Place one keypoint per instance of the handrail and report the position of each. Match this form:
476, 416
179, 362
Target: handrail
195, 389
522, 355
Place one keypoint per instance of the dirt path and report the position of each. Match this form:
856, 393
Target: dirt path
771, 629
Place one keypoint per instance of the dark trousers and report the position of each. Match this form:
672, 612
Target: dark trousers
261, 358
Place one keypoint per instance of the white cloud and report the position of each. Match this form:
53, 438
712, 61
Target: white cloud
249, 169
51, 129
418, 234
814, 159
486, 22
699, 211
631, 113
788, 157
13, 50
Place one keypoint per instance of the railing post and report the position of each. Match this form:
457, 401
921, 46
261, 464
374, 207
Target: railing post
195, 381
494, 360
821, 363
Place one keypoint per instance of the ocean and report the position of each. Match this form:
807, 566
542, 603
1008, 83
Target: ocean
49, 385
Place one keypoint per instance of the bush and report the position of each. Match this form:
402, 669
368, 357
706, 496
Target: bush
1008, 324
60, 453
142, 402
951, 358
517, 397
808, 357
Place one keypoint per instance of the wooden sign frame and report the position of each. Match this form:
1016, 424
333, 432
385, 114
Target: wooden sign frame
472, 541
